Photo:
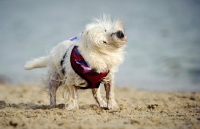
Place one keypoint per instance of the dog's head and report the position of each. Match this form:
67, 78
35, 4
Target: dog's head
104, 34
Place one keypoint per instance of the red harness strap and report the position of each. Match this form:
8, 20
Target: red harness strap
81, 67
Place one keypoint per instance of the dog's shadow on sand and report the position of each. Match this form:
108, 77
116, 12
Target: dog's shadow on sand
34, 106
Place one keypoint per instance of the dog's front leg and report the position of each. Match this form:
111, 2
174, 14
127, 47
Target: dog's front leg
109, 88
97, 95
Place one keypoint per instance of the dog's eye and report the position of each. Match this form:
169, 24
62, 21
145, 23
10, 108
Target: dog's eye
104, 42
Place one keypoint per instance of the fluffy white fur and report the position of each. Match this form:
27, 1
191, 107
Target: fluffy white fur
102, 46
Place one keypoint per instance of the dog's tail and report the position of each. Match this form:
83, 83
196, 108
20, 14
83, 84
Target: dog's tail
37, 63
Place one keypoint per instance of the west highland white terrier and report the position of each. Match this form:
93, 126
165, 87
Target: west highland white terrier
86, 61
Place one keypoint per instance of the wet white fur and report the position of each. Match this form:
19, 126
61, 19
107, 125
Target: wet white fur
100, 49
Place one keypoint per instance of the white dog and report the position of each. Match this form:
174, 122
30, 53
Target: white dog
86, 61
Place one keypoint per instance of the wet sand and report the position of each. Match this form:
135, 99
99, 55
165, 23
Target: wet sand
26, 107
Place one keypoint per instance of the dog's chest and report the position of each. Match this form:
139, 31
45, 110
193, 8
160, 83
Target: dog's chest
82, 69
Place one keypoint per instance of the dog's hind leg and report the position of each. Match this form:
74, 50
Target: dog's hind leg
72, 104
97, 95
53, 84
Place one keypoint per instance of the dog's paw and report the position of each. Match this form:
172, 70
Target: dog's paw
72, 105
112, 105
52, 105
102, 104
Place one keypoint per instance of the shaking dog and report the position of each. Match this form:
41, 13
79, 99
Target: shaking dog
86, 61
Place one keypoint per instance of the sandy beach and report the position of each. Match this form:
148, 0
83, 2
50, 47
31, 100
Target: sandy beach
26, 107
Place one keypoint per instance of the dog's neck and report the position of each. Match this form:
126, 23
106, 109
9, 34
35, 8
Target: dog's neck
107, 60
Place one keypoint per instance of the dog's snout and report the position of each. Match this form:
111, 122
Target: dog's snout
120, 34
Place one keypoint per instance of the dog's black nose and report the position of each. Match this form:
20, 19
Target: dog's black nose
120, 34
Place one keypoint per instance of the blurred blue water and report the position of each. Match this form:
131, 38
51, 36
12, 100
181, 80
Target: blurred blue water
163, 49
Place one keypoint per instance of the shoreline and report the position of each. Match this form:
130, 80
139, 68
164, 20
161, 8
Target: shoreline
27, 106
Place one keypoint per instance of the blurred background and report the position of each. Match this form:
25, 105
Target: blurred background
163, 48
